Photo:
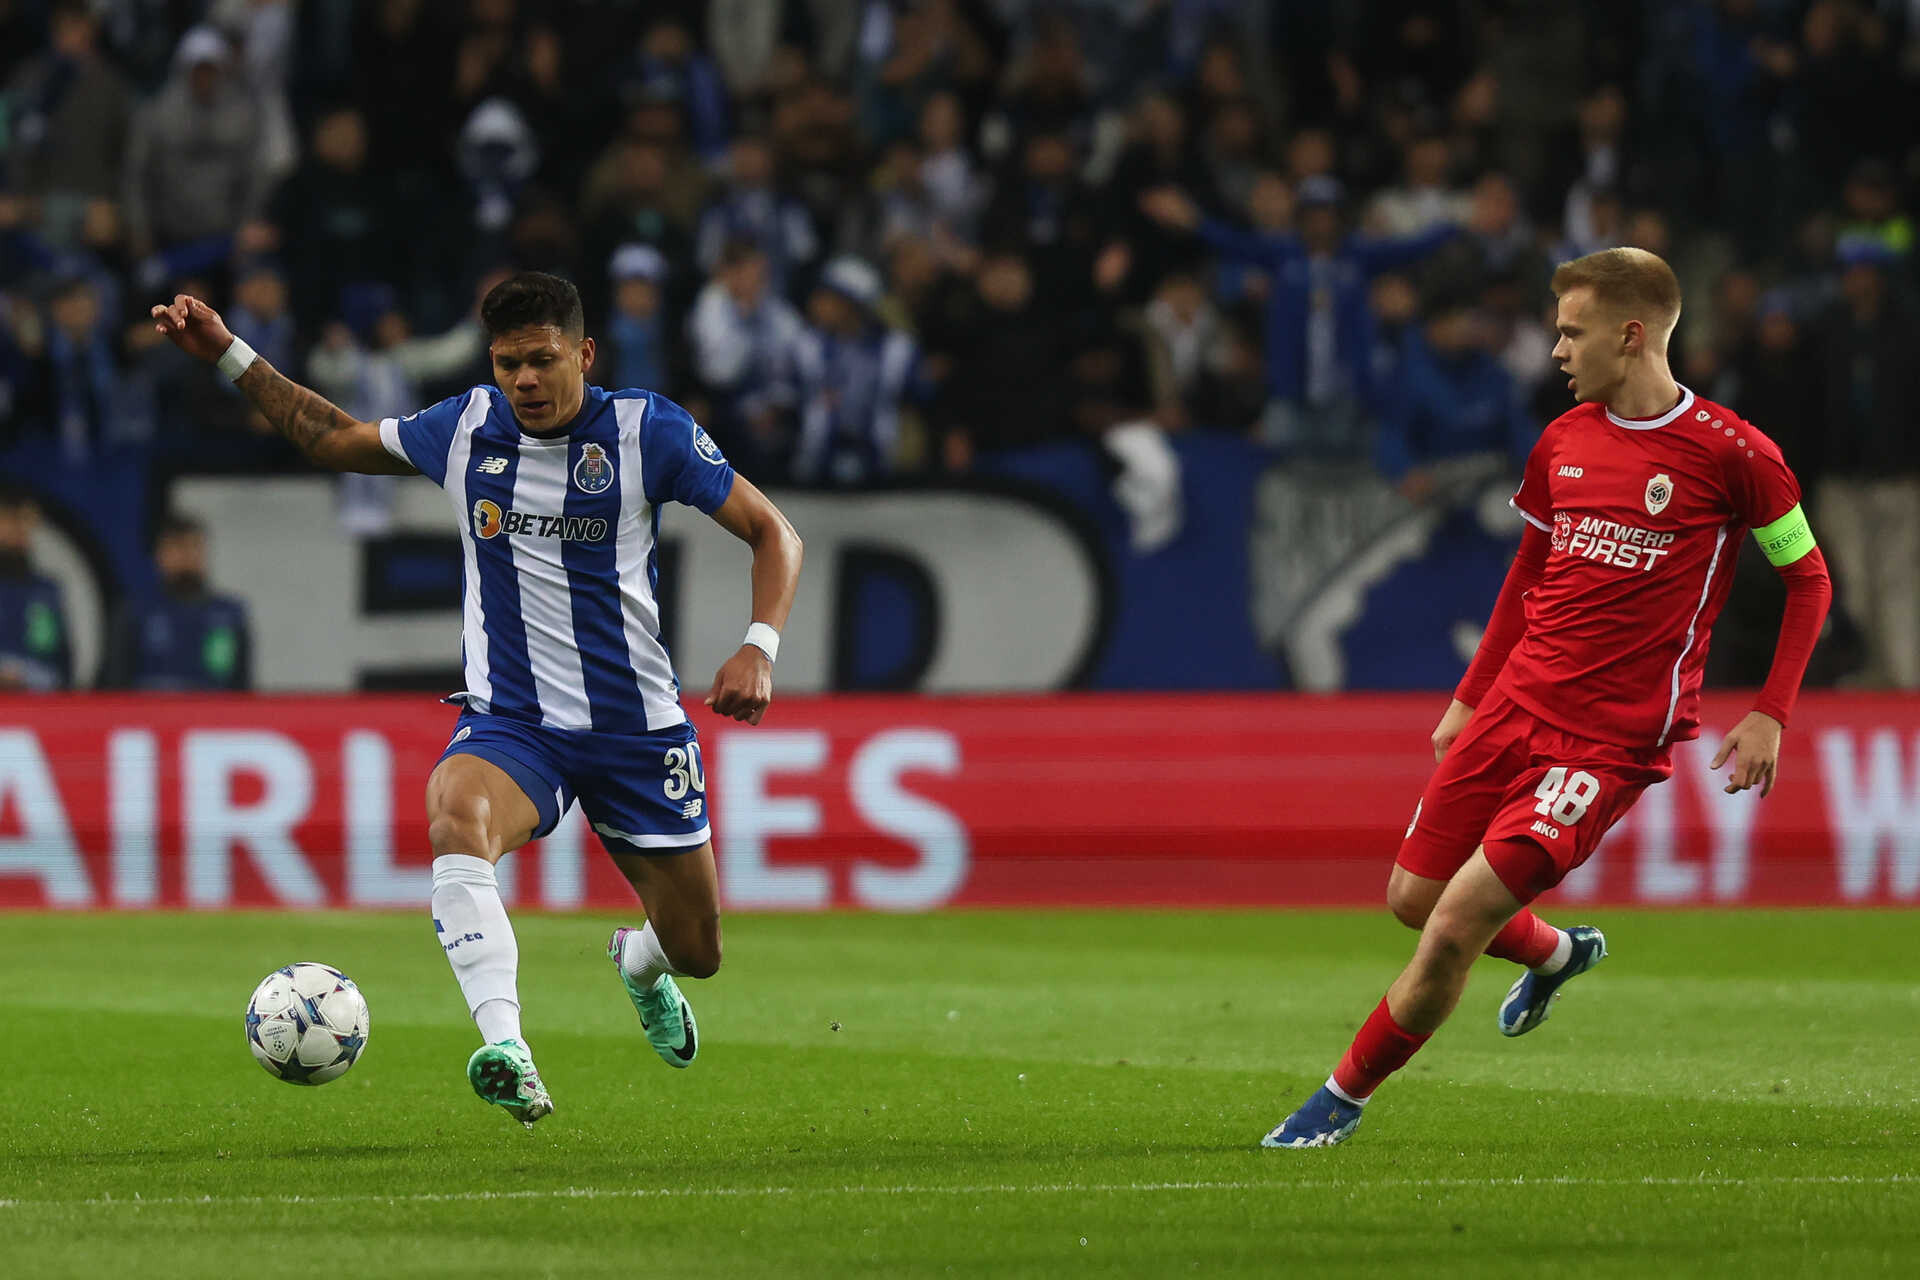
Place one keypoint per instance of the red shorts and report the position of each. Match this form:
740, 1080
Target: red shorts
1512, 776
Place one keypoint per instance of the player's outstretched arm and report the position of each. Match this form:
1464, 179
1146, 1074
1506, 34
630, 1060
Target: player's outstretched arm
743, 686
327, 434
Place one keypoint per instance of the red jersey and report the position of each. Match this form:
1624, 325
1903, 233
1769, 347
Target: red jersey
1646, 518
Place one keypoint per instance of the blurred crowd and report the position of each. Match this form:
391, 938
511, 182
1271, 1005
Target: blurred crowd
872, 239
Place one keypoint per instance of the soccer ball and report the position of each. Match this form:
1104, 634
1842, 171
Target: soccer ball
307, 1023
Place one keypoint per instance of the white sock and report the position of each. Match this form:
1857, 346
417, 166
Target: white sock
1333, 1087
1562, 952
642, 957
475, 934
498, 1020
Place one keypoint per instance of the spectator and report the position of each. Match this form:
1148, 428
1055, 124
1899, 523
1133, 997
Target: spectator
81, 389
374, 367
751, 207
1871, 208
188, 638
1425, 197
633, 342
72, 111
852, 377
1043, 207
35, 652
670, 68
1869, 503
1319, 340
742, 334
1769, 370
1185, 333
1005, 390
1162, 153
335, 219
627, 202
1234, 153
1454, 401
908, 52
403, 85
956, 190
1848, 88
195, 163
1593, 156
260, 315
898, 206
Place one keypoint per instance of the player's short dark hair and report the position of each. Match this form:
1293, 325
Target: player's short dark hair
16, 497
1633, 282
533, 300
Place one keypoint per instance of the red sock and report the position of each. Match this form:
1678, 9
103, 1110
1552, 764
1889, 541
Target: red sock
1526, 939
1380, 1049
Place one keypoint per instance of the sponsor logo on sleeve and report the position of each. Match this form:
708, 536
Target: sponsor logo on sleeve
703, 445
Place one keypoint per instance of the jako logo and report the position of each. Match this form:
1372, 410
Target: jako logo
489, 521
1572, 472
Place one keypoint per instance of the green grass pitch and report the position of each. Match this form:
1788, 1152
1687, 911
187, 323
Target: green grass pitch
969, 1094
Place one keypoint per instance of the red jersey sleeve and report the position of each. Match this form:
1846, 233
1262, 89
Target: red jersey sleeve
1534, 500
1760, 485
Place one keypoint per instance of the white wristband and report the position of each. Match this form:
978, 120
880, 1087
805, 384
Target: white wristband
236, 359
765, 639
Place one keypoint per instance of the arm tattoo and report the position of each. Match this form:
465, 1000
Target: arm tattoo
302, 416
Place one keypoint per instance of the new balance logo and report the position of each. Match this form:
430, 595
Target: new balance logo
491, 466
1573, 473
691, 809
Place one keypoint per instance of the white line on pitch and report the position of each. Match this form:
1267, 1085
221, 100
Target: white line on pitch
1056, 1188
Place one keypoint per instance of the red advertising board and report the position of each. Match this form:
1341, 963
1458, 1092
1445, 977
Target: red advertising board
907, 803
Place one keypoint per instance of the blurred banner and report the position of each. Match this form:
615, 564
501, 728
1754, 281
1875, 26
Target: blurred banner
905, 804
1221, 570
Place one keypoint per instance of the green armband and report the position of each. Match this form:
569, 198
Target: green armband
1786, 539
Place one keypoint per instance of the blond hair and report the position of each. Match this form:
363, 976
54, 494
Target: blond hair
1630, 283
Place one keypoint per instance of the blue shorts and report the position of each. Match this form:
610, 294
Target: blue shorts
643, 793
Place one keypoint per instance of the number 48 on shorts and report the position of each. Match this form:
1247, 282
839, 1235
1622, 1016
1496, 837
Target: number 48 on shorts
1563, 798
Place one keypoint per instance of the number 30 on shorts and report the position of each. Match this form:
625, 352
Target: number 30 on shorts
1565, 797
685, 773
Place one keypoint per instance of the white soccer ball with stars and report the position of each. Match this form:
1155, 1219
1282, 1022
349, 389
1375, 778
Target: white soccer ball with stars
307, 1023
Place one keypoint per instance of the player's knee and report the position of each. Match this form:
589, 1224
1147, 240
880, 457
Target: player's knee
697, 955
1409, 908
702, 960
1447, 940
459, 824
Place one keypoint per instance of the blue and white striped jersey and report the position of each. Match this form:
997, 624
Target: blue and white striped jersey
561, 537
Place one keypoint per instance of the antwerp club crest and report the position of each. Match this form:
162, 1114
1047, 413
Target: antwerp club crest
593, 473
1659, 493
1562, 530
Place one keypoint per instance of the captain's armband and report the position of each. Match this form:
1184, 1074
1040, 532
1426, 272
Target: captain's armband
1786, 539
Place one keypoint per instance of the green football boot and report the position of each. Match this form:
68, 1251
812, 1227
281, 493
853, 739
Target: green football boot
665, 1015
503, 1074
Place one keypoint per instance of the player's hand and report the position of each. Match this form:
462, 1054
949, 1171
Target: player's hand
194, 327
1754, 747
1451, 726
743, 686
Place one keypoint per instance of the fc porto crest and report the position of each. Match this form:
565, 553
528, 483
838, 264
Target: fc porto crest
594, 472
1659, 493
